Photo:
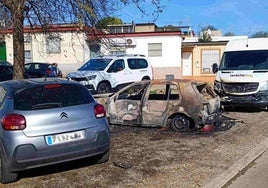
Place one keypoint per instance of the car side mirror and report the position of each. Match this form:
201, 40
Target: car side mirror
215, 68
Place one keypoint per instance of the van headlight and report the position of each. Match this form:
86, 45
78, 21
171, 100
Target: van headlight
264, 86
92, 77
217, 86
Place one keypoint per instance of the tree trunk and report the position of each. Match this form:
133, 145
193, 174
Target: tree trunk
18, 39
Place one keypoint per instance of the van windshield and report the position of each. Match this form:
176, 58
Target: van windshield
95, 64
244, 60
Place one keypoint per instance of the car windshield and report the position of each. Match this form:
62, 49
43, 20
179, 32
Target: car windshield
95, 64
245, 60
51, 96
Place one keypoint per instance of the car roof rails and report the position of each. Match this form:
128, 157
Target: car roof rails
131, 55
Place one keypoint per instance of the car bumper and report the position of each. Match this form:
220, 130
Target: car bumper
27, 156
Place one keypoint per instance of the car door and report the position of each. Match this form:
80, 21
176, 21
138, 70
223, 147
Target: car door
155, 104
138, 69
117, 74
125, 106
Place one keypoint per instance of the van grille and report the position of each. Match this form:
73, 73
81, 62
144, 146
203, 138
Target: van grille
240, 87
79, 79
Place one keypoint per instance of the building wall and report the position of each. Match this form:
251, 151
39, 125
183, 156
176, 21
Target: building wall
169, 64
197, 58
145, 28
74, 50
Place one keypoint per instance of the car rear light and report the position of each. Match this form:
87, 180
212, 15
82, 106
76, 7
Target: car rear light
48, 71
12, 122
51, 86
99, 111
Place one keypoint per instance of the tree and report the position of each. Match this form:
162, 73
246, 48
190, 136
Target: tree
229, 34
208, 27
44, 13
205, 33
260, 34
103, 23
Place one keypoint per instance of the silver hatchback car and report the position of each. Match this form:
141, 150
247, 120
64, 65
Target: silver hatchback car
47, 121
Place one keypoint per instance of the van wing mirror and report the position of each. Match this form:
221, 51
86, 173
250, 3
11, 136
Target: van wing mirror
215, 67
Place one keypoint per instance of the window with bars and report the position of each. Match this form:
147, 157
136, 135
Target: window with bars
154, 49
208, 58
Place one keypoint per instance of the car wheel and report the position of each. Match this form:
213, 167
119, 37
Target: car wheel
5, 175
145, 78
104, 88
102, 158
180, 123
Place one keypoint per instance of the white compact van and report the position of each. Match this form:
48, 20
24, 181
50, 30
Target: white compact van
110, 73
242, 76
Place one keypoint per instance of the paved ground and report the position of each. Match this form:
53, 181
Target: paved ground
255, 175
225, 179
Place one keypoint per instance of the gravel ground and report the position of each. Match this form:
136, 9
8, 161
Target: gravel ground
150, 157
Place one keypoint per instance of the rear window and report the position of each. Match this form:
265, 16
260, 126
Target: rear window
51, 96
2, 95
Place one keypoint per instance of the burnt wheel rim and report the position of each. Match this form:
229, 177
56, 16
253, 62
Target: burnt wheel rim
180, 123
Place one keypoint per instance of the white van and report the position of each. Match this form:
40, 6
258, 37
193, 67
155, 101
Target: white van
110, 73
242, 76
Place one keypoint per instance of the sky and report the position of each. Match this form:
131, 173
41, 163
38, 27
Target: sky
241, 17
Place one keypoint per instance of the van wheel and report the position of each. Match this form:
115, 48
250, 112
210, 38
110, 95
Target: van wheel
104, 88
5, 175
180, 123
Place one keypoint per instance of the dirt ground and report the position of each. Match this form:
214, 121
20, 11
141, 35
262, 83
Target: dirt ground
151, 157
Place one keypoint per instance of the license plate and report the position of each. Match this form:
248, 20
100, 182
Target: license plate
65, 137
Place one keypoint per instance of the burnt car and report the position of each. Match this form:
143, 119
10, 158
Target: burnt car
182, 105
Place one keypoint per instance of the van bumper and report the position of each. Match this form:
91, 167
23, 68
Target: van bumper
259, 99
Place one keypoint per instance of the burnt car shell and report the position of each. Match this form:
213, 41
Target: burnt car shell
181, 104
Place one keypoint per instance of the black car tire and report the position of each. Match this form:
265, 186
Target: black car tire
104, 88
180, 123
103, 157
5, 175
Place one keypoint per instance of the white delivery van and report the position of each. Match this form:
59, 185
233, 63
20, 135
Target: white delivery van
242, 76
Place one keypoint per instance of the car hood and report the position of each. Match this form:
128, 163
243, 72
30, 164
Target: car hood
82, 73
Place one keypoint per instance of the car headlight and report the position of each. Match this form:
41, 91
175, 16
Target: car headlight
92, 77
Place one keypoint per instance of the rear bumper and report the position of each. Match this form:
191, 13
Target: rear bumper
27, 156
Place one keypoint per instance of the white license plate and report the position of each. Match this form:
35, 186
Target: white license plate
65, 137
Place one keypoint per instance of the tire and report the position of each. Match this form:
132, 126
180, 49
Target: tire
103, 88
180, 123
5, 175
145, 78
103, 158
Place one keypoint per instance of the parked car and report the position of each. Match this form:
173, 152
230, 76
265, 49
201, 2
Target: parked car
6, 71
49, 121
181, 104
110, 73
39, 70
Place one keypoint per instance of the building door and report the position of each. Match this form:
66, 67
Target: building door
3, 56
187, 67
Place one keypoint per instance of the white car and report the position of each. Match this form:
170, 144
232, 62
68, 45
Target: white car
110, 73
